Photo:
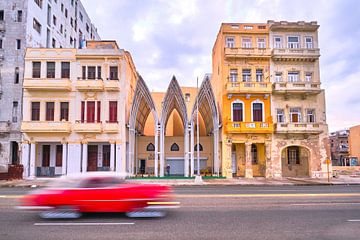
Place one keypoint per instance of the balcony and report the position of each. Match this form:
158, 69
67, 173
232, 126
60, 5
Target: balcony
301, 54
86, 127
5, 126
45, 127
47, 84
304, 128
111, 127
90, 84
257, 53
2, 26
248, 87
112, 85
297, 87
249, 127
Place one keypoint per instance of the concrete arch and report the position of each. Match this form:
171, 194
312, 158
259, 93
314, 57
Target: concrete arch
301, 166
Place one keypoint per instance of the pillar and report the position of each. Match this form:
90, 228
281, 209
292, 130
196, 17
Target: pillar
186, 143
84, 157
227, 161
112, 156
128, 166
119, 158
74, 158
269, 169
32, 160
162, 150
216, 151
192, 144
64, 158
156, 155
25, 158
248, 162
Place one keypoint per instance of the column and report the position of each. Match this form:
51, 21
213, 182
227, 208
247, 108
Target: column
131, 150
25, 158
269, 169
120, 158
73, 158
248, 162
192, 143
227, 160
156, 155
64, 158
112, 156
186, 158
84, 158
162, 151
32, 160
216, 151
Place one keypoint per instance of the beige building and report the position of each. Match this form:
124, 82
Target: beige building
354, 142
75, 107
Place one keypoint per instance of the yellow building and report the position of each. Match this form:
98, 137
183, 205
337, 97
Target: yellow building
75, 108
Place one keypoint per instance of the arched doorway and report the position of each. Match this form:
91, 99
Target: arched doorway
295, 161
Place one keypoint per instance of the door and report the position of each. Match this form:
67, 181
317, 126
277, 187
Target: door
176, 166
92, 157
142, 166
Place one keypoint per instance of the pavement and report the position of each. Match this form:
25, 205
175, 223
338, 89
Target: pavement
256, 181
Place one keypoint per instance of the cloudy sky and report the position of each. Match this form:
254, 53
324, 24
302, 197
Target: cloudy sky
175, 37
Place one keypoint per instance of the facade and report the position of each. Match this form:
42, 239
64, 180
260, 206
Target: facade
354, 143
74, 109
31, 23
339, 147
267, 86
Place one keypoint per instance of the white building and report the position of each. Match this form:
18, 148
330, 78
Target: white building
31, 23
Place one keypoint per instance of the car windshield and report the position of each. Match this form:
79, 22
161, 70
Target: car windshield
101, 182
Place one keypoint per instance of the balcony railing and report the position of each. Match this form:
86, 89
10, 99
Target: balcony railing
89, 84
297, 87
111, 127
249, 127
249, 87
5, 126
48, 84
87, 127
295, 53
46, 127
112, 85
248, 52
305, 128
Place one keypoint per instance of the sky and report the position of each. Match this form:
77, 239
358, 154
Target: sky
175, 37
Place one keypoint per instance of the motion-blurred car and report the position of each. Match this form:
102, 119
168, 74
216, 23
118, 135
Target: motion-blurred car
71, 196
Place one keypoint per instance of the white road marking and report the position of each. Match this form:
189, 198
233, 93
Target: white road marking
354, 220
82, 224
330, 203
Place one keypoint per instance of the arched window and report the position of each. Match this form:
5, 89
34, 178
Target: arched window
237, 112
174, 147
257, 111
254, 154
150, 147
200, 147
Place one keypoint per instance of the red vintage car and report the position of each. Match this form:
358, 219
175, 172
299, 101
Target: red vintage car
71, 196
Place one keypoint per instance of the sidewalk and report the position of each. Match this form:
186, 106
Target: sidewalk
341, 180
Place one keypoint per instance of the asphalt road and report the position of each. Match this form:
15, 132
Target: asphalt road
208, 212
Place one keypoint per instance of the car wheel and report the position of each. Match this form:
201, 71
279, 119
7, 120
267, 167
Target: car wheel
146, 214
64, 212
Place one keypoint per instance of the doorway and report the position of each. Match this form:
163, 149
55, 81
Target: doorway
92, 157
142, 166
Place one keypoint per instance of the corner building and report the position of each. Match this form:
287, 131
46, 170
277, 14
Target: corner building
75, 107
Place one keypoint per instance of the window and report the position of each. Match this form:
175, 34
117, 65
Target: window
66, 13
310, 115
45, 156
99, 72
261, 43
293, 42
150, 147
35, 111
237, 112
308, 77
19, 16
36, 69
36, 25
39, 2
64, 111
174, 147
81, 16
17, 75
114, 73
257, 112
246, 42
91, 72
293, 155
59, 149
61, 28
230, 42
65, 69
106, 155
259, 75
18, 44
200, 147
72, 22
2, 15
308, 42
62, 7
295, 115
187, 97
233, 75
277, 42
246, 75
83, 72
49, 15
247, 27
53, 43
49, 111
280, 115
262, 27
254, 154
1, 43
98, 111
90, 112
278, 77
54, 20
113, 111
293, 76
50, 69
87, 27
15, 111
